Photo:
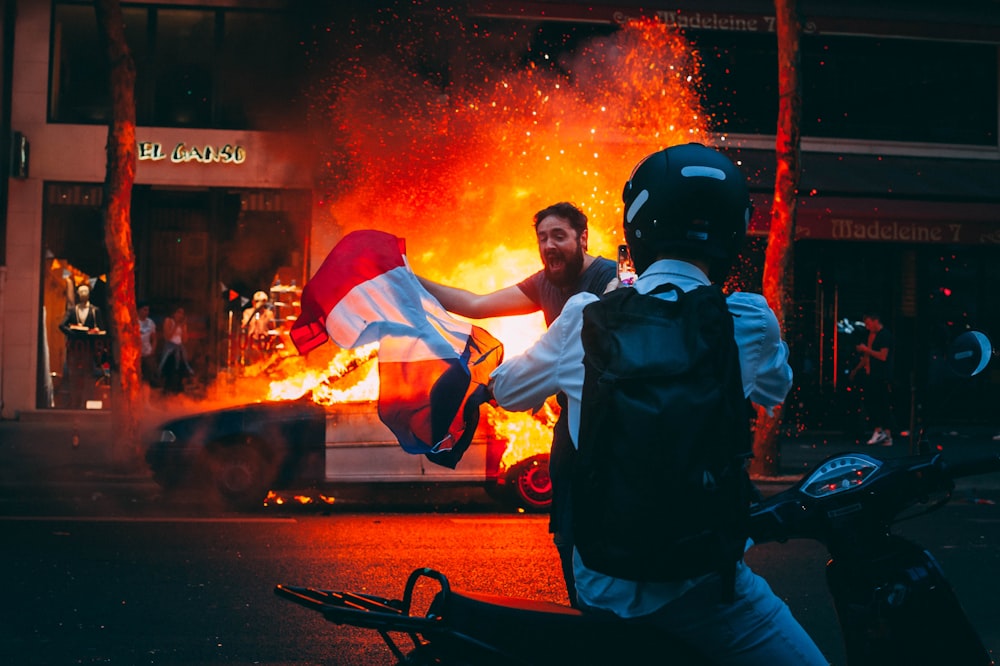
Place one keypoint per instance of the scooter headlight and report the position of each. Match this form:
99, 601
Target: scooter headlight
838, 474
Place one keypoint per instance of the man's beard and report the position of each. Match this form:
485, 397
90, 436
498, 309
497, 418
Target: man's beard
569, 273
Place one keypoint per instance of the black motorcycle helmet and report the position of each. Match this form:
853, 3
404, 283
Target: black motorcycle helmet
687, 199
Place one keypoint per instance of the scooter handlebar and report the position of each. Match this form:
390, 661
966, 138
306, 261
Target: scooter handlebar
857, 491
973, 466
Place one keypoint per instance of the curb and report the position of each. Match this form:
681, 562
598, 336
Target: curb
57, 417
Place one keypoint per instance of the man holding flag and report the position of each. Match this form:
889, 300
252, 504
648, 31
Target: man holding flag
567, 269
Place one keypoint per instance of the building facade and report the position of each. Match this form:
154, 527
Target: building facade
899, 208
222, 197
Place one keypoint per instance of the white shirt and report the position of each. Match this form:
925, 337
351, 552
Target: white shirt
146, 329
555, 363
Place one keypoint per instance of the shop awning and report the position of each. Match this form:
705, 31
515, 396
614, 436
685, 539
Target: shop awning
884, 199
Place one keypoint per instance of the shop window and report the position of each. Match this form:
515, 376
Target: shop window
864, 88
740, 78
182, 71
899, 90
249, 72
74, 362
207, 68
79, 90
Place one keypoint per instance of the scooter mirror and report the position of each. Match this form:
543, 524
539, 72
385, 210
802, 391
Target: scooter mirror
970, 353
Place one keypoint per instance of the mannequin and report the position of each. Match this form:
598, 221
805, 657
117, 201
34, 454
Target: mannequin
84, 316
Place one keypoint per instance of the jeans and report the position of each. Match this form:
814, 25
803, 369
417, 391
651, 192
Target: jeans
564, 546
560, 516
757, 629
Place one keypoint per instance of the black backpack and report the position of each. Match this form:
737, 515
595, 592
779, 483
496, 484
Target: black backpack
660, 490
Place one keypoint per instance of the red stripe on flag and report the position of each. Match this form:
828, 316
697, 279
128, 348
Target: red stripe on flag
358, 257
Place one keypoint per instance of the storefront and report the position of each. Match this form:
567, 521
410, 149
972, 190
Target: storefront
206, 250
206, 235
915, 239
222, 203
927, 269
890, 216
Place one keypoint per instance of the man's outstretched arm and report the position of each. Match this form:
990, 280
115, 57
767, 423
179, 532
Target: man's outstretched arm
507, 301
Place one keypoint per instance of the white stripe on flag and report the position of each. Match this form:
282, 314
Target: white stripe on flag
395, 305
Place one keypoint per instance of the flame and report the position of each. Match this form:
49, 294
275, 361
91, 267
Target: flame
460, 171
526, 434
512, 144
276, 499
321, 382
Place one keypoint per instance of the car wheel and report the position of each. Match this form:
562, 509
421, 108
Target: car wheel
531, 484
240, 476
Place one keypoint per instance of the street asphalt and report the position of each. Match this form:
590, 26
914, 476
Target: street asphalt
70, 453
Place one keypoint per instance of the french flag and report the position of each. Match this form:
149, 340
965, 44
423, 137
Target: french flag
433, 368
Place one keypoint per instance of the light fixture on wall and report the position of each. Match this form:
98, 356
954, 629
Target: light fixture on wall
19, 152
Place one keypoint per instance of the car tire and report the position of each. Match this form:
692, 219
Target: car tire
240, 475
530, 484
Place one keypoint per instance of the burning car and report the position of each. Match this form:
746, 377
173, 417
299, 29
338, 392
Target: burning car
240, 453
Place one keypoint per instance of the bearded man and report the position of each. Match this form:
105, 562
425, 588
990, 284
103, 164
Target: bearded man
567, 269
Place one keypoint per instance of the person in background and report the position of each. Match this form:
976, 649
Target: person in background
258, 327
873, 374
686, 210
174, 366
567, 269
147, 344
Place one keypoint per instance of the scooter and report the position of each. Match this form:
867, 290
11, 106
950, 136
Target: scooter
892, 600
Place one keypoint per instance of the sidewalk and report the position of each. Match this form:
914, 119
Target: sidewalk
61, 446
801, 452
62, 463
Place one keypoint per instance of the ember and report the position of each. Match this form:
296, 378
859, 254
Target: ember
276, 499
459, 171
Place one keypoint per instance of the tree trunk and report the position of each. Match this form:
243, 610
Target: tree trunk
778, 259
126, 391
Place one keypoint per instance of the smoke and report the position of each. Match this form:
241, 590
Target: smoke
453, 132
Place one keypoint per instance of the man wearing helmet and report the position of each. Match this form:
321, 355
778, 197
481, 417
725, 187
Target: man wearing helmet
567, 269
686, 213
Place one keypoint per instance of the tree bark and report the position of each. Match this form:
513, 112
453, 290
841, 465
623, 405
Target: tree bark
778, 265
126, 391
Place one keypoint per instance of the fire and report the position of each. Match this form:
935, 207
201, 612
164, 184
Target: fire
459, 171
321, 382
526, 434
276, 499
513, 142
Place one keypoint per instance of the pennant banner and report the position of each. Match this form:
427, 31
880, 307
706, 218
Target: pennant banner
433, 368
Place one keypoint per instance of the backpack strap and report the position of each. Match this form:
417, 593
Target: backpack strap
665, 288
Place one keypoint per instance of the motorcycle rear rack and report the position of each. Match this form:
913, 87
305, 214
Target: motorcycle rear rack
384, 615
496, 630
